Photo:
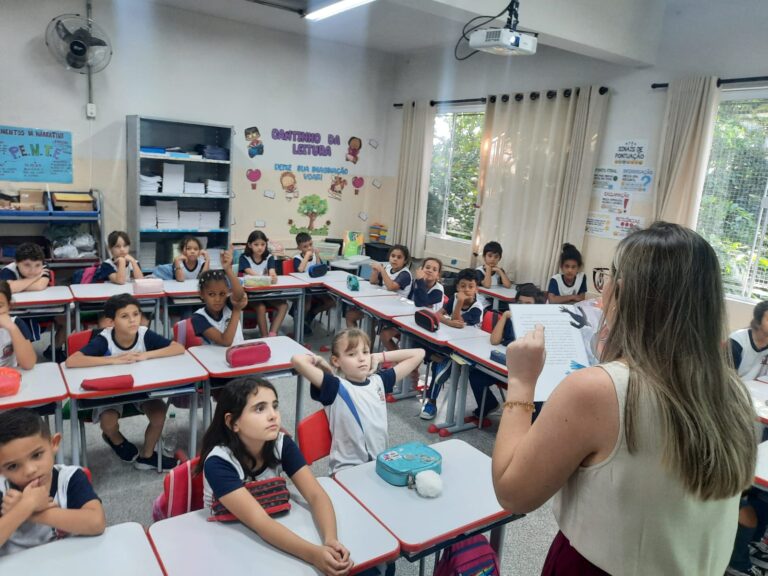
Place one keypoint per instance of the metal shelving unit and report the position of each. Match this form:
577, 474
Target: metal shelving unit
165, 133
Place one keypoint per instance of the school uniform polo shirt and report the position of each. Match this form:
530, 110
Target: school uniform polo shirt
260, 269
748, 359
109, 267
203, 319
424, 297
471, 315
194, 272
7, 355
297, 260
104, 344
359, 434
558, 287
403, 278
11, 272
495, 282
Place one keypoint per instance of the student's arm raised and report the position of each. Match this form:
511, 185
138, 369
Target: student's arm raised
313, 368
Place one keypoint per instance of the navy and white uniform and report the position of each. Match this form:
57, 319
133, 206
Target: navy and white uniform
7, 355
558, 287
355, 440
260, 269
424, 297
495, 283
403, 277
297, 260
31, 325
750, 361
70, 489
203, 319
194, 272
109, 267
223, 473
11, 272
104, 344
472, 315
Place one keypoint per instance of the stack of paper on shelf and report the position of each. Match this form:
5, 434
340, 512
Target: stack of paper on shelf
217, 187
167, 215
189, 220
214, 257
173, 178
147, 255
149, 184
209, 220
194, 188
147, 217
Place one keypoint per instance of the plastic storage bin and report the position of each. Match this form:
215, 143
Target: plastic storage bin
377, 251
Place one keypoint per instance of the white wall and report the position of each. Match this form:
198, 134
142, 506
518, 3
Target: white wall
178, 64
723, 39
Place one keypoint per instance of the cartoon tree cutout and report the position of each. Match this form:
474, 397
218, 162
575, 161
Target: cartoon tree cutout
312, 206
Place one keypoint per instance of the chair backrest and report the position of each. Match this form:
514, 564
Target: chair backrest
314, 435
51, 278
77, 340
490, 317
288, 266
87, 473
183, 489
184, 334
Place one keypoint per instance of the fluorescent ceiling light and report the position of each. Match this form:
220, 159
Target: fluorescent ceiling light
335, 8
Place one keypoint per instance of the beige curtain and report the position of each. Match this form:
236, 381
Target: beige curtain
537, 162
686, 139
413, 177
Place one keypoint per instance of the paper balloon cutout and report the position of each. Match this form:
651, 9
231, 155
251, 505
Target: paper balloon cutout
253, 176
357, 183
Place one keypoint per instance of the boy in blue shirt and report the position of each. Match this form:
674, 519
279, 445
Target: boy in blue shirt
126, 342
40, 500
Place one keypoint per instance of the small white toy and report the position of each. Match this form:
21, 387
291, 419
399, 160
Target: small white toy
429, 484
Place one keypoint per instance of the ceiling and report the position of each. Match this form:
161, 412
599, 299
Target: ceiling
393, 26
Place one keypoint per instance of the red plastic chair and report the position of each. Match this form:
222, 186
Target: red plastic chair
490, 317
77, 340
314, 435
182, 491
184, 334
288, 266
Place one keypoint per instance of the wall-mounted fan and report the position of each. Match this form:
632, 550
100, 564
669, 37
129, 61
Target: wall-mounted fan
78, 43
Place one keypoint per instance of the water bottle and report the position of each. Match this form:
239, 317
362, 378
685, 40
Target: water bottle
170, 434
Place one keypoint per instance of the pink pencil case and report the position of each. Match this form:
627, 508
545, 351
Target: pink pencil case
10, 381
122, 382
247, 354
147, 286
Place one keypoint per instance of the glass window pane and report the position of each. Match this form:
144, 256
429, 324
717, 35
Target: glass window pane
439, 173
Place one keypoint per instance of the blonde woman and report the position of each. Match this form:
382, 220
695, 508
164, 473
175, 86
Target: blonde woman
646, 454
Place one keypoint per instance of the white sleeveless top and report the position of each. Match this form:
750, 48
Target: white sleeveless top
628, 516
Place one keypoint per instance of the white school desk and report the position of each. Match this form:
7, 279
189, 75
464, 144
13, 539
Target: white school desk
366, 290
154, 375
386, 308
189, 544
123, 550
499, 294
53, 301
761, 470
287, 287
99, 293
40, 386
214, 360
424, 526
759, 392
331, 276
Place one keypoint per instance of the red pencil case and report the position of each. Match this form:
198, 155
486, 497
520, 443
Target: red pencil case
272, 494
10, 381
427, 320
121, 382
247, 354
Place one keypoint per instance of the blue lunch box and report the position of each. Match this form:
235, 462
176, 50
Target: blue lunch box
400, 464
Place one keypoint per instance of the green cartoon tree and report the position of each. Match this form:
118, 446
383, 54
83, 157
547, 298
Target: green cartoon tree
312, 206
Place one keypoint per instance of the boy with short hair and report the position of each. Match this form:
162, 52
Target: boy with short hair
126, 342
40, 500
307, 256
28, 273
489, 273
462, 309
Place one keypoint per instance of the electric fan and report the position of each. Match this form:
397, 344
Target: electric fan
78, 43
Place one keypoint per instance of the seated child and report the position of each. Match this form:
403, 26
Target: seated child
529, 293
121, 267
355, 399
570, 285
126, 342
394, 276
41, 501
257, 261
489, 273
307, 256
462, 309
15, 345
191, 261
244, 443
749, 346
218, 322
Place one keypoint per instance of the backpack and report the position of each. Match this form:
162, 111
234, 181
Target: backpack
182, 492
85, 275
470, 557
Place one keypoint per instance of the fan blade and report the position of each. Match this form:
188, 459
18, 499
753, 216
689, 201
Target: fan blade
96, 41
62, 31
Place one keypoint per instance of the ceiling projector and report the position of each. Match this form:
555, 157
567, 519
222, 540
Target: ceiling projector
503, 41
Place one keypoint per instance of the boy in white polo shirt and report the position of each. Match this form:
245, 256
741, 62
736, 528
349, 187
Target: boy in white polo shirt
749, 346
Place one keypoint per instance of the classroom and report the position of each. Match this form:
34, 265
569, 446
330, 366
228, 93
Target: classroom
262, 274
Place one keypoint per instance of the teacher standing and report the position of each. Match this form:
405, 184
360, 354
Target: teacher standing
647, 453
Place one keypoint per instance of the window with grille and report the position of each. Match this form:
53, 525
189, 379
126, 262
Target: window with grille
733, 215
453, 173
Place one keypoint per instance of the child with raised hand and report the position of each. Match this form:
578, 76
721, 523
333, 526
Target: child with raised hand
218, 322
40, 500
243, 444
15, 339
570, 285
489, 273
126, 342
393, 276
355, 399
191, 261
257, 261
121, 267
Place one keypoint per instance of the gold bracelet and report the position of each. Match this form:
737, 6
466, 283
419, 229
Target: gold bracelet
529, 406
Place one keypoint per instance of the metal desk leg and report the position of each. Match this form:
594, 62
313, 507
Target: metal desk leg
77, 316
74, 425
58, 426
495, 304
299, 403
68, 321
206, 404
166, 318
457, 402
403, 387
53, 340
454, 387
497, 541
156, 319
298, 331
193, 424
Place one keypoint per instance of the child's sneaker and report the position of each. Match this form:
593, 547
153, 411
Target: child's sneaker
428, 411
56, 355
758, 552
753, 571
166, 463
126, 451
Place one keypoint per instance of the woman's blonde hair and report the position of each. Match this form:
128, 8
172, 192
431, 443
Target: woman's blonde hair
667, 316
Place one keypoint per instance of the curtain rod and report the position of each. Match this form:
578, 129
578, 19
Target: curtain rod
504, 98
720, 81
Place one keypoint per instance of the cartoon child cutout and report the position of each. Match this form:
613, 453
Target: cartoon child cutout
337, 187
255, 146
288, 182
353, 149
